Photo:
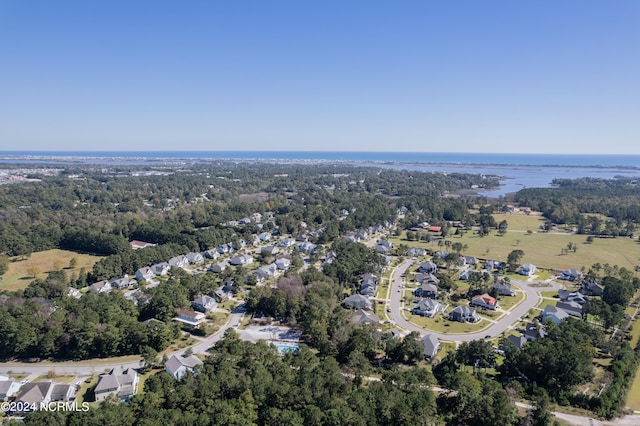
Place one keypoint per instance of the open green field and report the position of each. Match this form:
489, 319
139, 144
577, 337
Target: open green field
19, 275
633, 398
545, 249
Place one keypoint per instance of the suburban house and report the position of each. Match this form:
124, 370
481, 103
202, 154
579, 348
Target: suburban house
431, 346
416, 252
442, 254
243, 259
100, 287
464, 314
204, 304
491, 265
122, 283
427, 278
571, 275
427, 290
212, 254
224, 249
283, 263
572, 296
357, 301
8, 387
503, 288
382, 249
179, 261
527, 269
135, 244
517, 341
194, 258
572, 308
74, 292
190, 318
265, 236
144, 274
267, 271
269, 250
218, 267
484, 301
428, 268
555, 314
534, 332
306, 247
363, 317
468, 260
287, 242
45, 392
121, 384
160, 269
592, 288
468, 273
368, 289
178, 366
427, 308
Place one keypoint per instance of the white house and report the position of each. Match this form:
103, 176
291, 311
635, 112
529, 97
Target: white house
527, 269
204, 304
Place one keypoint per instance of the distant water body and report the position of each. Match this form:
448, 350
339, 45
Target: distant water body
518, 170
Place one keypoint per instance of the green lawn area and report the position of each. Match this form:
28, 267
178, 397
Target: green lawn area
507, 302
635, 333
633, 398
540, 248
18, 276
443, 325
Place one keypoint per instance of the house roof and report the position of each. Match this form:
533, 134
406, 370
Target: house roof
484, 298
518, 341
426, 304
431, 344
35, 392
175, 362
362, 317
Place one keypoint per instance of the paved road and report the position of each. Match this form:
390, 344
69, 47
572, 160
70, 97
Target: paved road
496, 329
92, 367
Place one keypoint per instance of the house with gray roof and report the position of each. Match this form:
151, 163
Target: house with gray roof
527, 269
204, 304
592, 288
428, 268
194, 258
431, 346
427, 308
517, 341
357, 301
178, 366
503, 288
8, 388
283, 263
427, 290
363, 317
160, 269
36, 393
144, 274
464, 314
555, 314
122, 384
101, 287
571, 275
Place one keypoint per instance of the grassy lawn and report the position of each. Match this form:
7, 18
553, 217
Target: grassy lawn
443, 325
19, 275
59, 379
507, 302
633, 398
85, 393
542, 249
635, 333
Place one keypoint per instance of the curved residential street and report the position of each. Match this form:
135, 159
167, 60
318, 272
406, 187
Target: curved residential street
493, 329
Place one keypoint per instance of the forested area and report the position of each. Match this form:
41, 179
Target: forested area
244, 384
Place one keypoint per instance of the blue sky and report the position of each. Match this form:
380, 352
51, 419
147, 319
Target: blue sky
553, 76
